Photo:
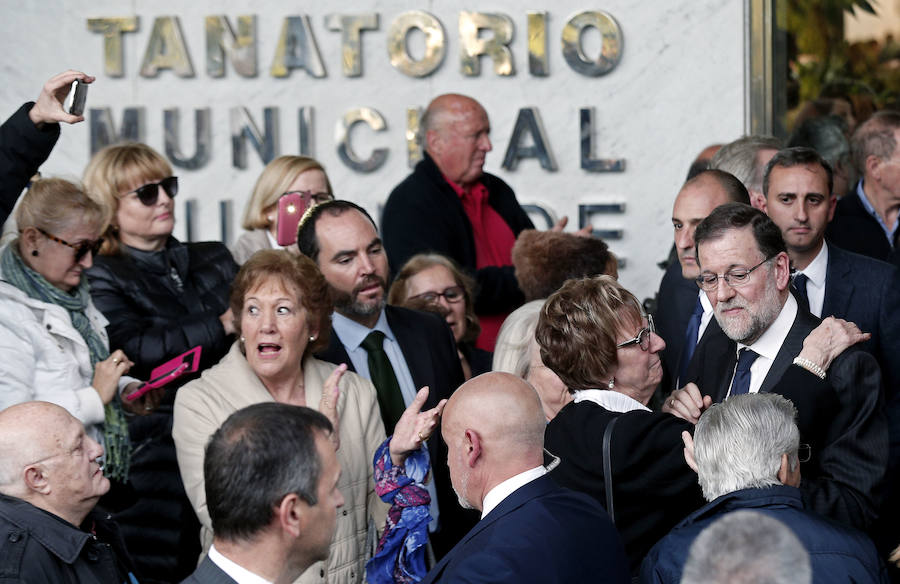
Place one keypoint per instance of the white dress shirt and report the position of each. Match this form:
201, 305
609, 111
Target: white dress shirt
816, 271
496, 495
768, 345
237, 573
707, 315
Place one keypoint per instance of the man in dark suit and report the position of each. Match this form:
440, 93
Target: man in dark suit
865, 222
399, 350
760, 344
271, 529
531, 529
683, 312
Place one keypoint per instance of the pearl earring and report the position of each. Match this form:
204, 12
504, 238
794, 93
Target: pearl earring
612, 383
312, 338
243, 339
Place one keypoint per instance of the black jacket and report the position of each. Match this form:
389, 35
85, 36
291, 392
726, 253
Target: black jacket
37, 547
23, 148
424, 214
154, 316
854, 229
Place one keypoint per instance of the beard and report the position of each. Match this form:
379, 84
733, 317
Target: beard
350, 305
748, 327
461, 498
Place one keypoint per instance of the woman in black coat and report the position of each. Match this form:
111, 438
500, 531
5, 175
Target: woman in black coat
162, 297
593, 335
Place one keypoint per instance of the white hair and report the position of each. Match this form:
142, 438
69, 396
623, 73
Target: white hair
747, 547
511, 351
738, 444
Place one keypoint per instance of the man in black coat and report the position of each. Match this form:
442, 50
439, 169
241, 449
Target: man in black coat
50, 481
418, 347
760, 344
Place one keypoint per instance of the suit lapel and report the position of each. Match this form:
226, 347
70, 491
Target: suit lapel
718, 361
804, 322
838, 283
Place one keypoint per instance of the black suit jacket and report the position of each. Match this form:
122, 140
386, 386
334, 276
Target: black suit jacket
539, 533
430, 352
841, 418
208, 573
674, 306
855, 230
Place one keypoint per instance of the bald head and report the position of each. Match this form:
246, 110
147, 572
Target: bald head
456, 130
47, 459
494, 429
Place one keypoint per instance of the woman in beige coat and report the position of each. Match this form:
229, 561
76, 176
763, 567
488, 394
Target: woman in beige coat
282, 307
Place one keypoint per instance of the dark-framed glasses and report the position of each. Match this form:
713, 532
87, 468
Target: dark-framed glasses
453, 294
316, 198
81, 248
149, 193
643, 337
735, 277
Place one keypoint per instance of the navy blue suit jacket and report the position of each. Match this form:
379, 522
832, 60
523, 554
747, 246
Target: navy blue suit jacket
675, 303
540, 533
208, 573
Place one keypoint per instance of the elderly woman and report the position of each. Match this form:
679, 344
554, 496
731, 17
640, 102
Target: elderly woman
437, 280
517, 352
52, 338
593, 335
282, 307
282, 176
162, 298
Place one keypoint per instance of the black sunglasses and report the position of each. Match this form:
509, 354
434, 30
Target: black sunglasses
81, 249
149, 193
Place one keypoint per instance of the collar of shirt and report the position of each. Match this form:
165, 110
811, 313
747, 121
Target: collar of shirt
237, 573
769, 343
816, 271
476, 188
610, 400
496, 495
352, 334
888, 231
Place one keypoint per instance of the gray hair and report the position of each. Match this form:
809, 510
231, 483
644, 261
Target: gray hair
739, 158
875, 137
738, 443
512, 349
747, 547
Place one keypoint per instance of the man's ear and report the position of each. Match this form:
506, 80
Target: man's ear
787, 476
292, 514
432, 141
473, 447
782, 270
758, 201
37, 479
873, 166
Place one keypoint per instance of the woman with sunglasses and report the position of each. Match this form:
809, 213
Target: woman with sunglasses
52, 338
592, 333
434, 282
284, 175
162, 297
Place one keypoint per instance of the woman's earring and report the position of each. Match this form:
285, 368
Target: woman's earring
612, 383
243, 340
312, 338
35, 253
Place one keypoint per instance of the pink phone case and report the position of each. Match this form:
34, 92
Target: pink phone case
183, 364
291, 207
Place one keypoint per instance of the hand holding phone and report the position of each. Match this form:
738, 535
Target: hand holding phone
79, 98
291, 207
169, 371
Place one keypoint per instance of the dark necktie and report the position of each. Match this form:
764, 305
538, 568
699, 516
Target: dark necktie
741, 383
799, 286
390, 398
690, 340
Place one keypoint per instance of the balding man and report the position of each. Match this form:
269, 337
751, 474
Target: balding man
531, 529
50, 481
450, 206
746, 158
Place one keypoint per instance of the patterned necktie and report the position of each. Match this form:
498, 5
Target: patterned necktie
390, 398
741, 382
799, 288
690, 341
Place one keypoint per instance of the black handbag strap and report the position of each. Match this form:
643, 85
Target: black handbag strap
607, 469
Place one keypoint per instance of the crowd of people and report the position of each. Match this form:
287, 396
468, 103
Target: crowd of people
455, 397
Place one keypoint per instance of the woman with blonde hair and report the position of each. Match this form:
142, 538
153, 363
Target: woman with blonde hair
282, 176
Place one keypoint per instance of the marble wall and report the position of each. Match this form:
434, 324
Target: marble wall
678, 87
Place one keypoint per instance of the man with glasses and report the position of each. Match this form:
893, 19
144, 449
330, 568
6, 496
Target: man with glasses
762, 343
50, 480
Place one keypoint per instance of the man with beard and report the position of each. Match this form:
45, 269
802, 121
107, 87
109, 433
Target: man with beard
531, 529
399, 350
762, 342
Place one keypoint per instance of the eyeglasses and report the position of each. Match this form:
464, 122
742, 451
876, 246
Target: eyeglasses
314, 197
642, 338
81, 249
149, 193
735, 277
453, 294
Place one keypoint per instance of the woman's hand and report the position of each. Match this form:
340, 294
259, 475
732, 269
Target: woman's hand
687, 403
107, 374
830, 339
414, 427
143, 405
49, 108
331, 391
